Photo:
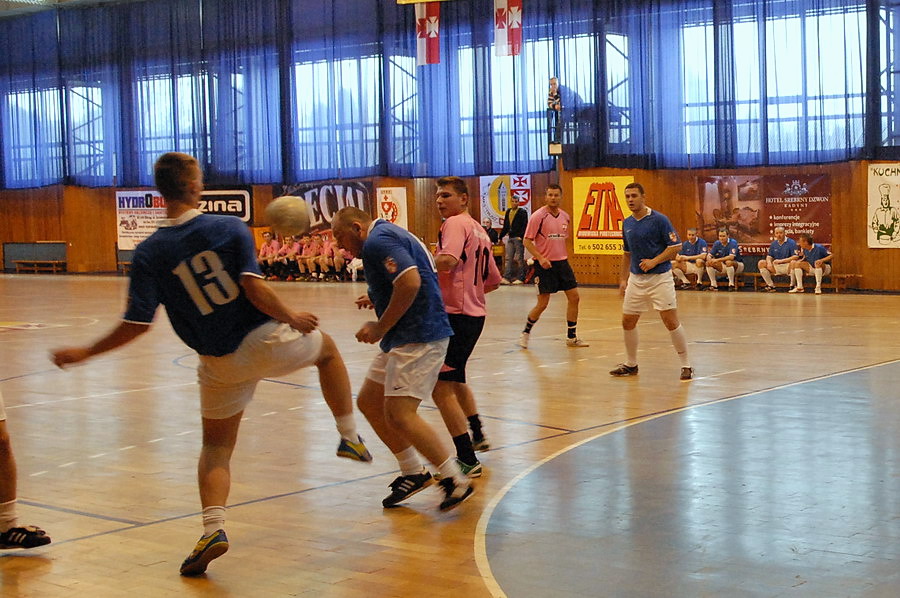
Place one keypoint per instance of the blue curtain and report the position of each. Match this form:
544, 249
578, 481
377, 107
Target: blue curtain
269, 91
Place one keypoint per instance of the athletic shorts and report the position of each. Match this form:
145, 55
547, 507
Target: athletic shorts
409, 370
273, 349
2, 409
693, 268
782, 268
466, 331
558, 278
645, 291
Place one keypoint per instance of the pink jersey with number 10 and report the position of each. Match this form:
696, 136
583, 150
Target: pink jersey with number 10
463, 286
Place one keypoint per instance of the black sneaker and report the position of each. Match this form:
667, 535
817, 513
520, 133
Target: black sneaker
624, 370
405, 486
454, 493
687, 373
29, 536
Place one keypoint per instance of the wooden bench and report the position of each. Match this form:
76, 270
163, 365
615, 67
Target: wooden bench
123, 267
834, 281
36, 266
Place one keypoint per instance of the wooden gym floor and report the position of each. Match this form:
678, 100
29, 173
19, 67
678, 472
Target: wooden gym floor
776, 472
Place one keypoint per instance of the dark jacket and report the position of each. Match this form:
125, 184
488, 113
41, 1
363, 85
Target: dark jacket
516, 228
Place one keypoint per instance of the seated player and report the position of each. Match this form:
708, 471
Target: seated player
782, 253
723, 258
285, 260
310, 256
326, 260
268, 251
814, 260
690, 261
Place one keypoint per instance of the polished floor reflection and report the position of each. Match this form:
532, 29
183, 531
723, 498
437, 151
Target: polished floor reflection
772, 473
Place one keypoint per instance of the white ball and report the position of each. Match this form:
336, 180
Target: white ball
288, 215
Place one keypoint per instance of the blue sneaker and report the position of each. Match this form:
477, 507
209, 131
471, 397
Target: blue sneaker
354, 450
208, 548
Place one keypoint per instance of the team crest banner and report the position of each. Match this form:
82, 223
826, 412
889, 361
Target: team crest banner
598, 211
392, 205
883, 215
498, 193
751, 207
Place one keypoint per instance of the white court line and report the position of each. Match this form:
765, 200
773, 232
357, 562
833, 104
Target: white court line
719, 374
481, 558
37, 473
98, 396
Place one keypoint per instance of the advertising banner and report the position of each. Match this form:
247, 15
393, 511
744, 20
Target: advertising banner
392, 205
326, 198
751, 207
883, 215
498, 193
598, 211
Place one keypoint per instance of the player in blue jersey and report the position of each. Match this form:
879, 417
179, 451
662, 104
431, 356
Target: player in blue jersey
203, 269
814, 260
723, 259
650, 242
782, 252
413, 333
690, 260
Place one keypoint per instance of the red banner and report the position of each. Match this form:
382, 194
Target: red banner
428, 21
507, 27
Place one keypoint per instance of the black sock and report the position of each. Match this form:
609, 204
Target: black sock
571, 331
464, 450
475, 425
528, 324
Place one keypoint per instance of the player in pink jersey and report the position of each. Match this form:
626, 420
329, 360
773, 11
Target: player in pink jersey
545, 239
268, 251
466, 271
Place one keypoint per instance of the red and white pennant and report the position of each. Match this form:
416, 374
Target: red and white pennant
507, 27
428, 29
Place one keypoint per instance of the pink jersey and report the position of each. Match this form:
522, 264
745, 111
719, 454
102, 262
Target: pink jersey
269, 249
311, 249
549, 233
327, 247
463, 286
289, 249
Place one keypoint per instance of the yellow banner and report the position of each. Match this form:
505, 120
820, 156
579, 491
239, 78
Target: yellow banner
599, 209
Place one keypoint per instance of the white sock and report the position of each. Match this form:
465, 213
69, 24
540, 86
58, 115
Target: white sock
679, 341
8, 515
767, 276
680, 275
346, 427
450, 469
409, 461
729, 270
712, 277
798, 278
631, 346
819, 272
213, 520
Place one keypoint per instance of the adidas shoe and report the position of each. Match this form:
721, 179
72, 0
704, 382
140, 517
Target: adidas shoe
481, 443
624, 370
523, 340
208, 548
405, 486
356, 451
29, 536
576, 342
454, 493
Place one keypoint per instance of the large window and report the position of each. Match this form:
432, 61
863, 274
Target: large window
32, 138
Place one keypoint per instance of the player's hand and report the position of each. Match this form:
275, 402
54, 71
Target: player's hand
819, 263
647, 264
369, 333
69, 355
304, 322
545, 263
363, 302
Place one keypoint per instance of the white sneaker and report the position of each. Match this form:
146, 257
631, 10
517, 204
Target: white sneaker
517, 281
504, 281
818, 290
576, 342
523, 340
796, 290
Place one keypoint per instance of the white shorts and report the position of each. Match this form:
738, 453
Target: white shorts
409, 370
274, 349
649, 290
2, 409
782, 268
692, 268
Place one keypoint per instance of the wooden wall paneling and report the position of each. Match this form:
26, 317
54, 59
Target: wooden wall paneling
89, 216
29, 215
262, 197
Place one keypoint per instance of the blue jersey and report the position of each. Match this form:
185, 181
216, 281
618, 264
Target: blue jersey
816, 252
388, 252
647, 238
730, 248
193, 267
781, 251
698, 247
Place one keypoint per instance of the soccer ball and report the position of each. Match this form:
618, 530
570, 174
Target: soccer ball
288, 216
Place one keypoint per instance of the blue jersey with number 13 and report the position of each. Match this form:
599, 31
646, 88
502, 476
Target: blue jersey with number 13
193, 268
